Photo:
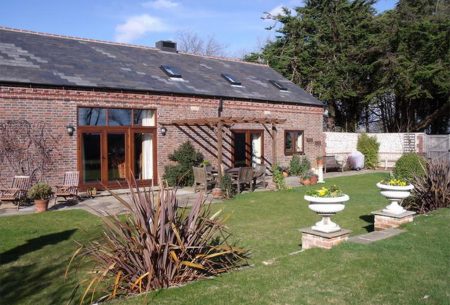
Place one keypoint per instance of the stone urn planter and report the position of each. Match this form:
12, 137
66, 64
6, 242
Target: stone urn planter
326, 207
395, 194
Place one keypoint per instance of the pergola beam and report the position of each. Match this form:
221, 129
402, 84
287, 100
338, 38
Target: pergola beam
214, 121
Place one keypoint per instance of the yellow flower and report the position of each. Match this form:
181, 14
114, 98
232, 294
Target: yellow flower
322, 191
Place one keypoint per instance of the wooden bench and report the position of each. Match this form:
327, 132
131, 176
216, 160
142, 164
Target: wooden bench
330, 162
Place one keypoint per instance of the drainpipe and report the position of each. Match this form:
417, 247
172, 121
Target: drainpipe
220, 109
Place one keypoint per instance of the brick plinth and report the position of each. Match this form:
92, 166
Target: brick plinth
315, 239
386, 220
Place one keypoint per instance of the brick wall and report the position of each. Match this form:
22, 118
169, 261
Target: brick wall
58, 108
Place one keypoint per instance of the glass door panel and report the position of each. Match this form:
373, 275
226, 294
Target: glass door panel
143, 156
116, 151
247, 148
239, 149
91, 157
256, 147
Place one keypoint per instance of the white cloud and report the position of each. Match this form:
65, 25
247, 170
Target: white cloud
137, 26
277, 11
161, 4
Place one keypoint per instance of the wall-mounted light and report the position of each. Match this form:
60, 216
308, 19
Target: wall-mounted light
70, 129
163, 131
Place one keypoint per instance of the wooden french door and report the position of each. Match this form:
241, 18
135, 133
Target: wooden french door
107, 156
248, 147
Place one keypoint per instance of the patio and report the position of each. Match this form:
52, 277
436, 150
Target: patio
105, 203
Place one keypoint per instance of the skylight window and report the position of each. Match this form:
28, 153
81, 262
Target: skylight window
171, 71
278, 85
231, 79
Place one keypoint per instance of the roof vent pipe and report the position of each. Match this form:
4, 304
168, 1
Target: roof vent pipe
166, 45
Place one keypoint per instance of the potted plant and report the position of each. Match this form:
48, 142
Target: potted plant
205, 163
285, 171
326, 202
314, 178
91, 191
395, 190
306, 179
40, 193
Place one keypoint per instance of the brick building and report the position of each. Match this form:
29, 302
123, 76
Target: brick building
121, 100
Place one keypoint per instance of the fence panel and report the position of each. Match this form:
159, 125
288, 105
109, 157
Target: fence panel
438, 146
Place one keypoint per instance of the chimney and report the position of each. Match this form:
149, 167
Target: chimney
166, 45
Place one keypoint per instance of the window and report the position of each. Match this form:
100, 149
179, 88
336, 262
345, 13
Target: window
231, 79
144, 117
116, 117
278, 85
91, 117
119, 117
293, 142
171, 71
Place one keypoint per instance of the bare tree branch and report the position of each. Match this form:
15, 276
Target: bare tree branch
190, 42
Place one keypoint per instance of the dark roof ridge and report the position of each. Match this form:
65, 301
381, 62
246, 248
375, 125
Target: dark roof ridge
124, 45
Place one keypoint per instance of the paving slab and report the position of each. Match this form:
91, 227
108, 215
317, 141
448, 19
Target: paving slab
375, 236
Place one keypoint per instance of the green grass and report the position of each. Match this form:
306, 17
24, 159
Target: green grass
412, 268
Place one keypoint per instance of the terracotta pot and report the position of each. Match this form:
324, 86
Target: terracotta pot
314, 180
285, 174
217, 193
319, 162
306, 181
41, 205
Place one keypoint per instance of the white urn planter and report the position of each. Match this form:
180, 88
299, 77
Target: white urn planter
395, 194
326, 207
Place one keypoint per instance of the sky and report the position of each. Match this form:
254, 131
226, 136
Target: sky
235, 24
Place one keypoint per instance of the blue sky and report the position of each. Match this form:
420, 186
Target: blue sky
235, 24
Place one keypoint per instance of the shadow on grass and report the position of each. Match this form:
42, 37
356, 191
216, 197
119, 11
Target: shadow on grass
370, 220
25, 284
34, 244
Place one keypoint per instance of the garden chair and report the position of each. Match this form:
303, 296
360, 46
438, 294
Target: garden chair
331, 162
69, 188
242, 177
259, 175
18, 190
201, 179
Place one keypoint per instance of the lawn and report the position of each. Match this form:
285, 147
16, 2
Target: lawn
412, 268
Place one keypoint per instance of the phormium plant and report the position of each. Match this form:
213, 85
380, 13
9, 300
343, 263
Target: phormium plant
431, 190
157, 245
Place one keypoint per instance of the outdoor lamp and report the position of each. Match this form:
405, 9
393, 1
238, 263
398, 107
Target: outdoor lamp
163, 131
70, 130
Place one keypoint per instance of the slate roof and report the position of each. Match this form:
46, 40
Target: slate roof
43, 59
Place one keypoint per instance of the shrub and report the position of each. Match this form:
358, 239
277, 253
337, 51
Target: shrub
227, 186
295, 165
278, 178
432, 190
40, 191
181, 174
369, 147
305, 166
409, 165
157, 245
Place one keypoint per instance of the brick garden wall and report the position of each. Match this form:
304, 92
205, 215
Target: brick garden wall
58, 108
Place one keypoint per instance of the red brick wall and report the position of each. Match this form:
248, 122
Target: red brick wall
57, 107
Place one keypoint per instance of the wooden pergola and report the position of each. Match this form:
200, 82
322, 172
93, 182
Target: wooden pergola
220, 122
